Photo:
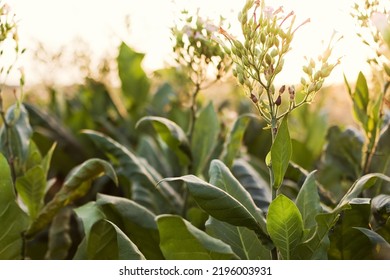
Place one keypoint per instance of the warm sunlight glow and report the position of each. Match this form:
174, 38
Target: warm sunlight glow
101, 24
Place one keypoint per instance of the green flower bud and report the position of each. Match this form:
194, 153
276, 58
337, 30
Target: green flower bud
268, 59
241, 78
274, 52
387, 68
303, 81
319, 85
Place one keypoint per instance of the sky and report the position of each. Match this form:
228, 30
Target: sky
101, 23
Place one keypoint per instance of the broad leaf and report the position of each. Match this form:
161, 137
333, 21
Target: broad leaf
347, 243
172, 135
135, 169
253, 183
107, 242
19, 133
12, 219
221, 205
204, 138
233, 142
380, 248
76, 185
316, 248
135, 221
59, 236
31, 188
308, 201
361, 100
361, 184
89, 214
281, 152
285, 225
221, 177
135, 83
243, 241
182, 241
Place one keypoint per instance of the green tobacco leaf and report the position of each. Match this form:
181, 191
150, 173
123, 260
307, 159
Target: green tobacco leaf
281, 152
47, 159
221, 205
107, 242
243, 241
135, 169
12, 219
344, 151
172, 135
253, 183
233, 142
380, 208
182, 241
76, 185
285, 225
89, 214
31, 188
135, 83
19, 131
204, 138
308, 201
135, 221
221, 177
360, 100
361, 184
316, 248
381, 158
380, 248
59, 236
347, 243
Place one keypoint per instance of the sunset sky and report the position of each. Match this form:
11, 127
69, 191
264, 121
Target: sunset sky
101, 24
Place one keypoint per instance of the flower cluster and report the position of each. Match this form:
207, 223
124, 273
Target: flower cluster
259, 58
374, 21
195, 50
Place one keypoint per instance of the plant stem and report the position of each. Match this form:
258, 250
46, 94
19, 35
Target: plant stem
193, 112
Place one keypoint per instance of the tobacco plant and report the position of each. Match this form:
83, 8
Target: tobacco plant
190, 187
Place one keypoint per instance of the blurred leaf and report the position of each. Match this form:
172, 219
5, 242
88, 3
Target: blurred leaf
308, 202
204, 138
253, 183
182, 241
361, 100
233, 142
107, 242
380, 248
19, 133
76, 185
135, 83
31, 188
151, 152
135, 169
381, 158
243, 241
12, 219
162, 100
135, 221
347, 243
285, 226
172, 135
221, 205
59, 236
361, 184
281, 152
380, 208
344, 152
